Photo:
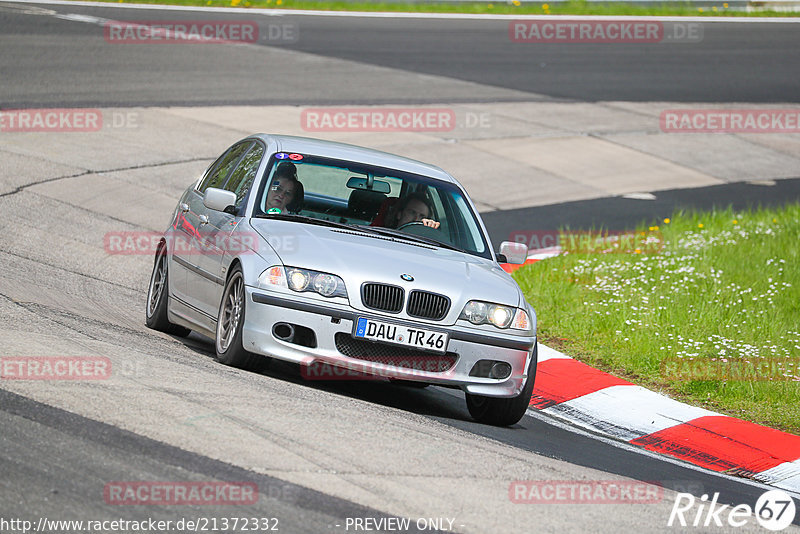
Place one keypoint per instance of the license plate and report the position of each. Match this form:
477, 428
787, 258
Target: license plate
418, 338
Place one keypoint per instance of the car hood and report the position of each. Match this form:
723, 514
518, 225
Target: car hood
361, 257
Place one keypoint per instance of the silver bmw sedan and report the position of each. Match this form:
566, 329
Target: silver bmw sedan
352, 263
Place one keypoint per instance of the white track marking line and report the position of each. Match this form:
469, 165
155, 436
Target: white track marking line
784, 476
395, 15
81, 18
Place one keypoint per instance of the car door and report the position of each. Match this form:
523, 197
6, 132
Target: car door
181, 233
220, 226
193, 231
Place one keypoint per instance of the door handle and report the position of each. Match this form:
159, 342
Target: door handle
203, 219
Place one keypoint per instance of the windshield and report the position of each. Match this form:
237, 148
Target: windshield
377, 199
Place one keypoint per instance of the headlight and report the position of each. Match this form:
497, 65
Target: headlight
327, 285
300, 280
478, 312
475, 312
501, 316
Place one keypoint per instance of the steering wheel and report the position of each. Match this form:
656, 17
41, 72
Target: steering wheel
420, 229
412, 223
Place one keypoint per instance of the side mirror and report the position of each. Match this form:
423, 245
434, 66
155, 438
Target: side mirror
515, 253
218, 199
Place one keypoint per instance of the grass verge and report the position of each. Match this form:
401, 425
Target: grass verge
712, 318
571, 7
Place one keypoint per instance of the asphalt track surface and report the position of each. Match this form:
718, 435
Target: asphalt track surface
620, 213
752, 62
57, 455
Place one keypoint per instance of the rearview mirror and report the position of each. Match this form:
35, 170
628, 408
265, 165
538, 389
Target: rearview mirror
356, 182
514, 253
218, 199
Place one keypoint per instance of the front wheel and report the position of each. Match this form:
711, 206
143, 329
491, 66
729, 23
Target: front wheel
230, 322
157, 296
504, 412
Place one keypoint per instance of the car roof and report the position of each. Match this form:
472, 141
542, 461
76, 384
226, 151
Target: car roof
347, 152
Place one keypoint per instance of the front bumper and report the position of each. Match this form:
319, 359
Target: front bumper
326, 320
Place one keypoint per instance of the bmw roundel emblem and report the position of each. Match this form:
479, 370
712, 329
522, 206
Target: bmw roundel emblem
407, 277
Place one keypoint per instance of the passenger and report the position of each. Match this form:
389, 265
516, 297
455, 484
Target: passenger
285, 191
411, 208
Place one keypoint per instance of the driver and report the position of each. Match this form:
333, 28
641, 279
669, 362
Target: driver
411, 208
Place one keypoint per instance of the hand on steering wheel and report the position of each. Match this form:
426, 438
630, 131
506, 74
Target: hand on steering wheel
424, 222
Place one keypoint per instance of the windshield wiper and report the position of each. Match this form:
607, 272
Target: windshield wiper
417, 238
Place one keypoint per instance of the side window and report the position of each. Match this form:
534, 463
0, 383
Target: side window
217, 177
244, 174
439, 212
209, 171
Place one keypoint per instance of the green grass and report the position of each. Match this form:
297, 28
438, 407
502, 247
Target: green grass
724, 289
571, 7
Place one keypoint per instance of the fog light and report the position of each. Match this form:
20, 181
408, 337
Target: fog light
491, 369
500, 370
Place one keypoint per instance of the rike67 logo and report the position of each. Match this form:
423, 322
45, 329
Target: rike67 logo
774, 510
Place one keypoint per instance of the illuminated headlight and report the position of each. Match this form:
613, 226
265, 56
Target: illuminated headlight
298, 279
327, 285
478, 312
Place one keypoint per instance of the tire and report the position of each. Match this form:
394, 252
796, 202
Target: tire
230, 320
504, 412
157, 297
